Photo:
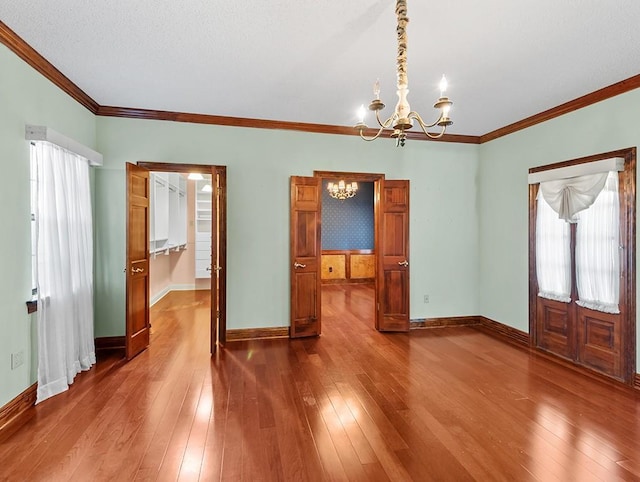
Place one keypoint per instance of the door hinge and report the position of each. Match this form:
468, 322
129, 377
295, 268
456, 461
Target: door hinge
217, 315
219, 191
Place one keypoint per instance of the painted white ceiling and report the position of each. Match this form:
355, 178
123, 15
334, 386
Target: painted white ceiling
316, 60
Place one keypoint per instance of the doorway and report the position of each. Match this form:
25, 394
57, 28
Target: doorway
157, 240
390, 252
348, 261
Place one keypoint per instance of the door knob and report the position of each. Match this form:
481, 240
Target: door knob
297, 265
404, 263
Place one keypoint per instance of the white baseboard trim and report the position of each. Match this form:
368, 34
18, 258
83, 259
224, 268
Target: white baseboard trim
162, 293
188, 287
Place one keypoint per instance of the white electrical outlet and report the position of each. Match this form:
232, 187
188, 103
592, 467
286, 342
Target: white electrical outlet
17, 359
426, 298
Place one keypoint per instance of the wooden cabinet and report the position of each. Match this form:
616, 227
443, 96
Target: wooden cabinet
168, 212
202, 223
348, 266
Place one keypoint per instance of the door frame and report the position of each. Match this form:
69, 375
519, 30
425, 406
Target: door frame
377, 180
221, 326
627, 189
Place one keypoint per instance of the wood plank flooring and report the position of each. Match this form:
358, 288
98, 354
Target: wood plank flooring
353, 404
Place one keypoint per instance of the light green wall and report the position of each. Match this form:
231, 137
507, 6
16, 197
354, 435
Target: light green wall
503, 194
444, 235
468, 205
25, 98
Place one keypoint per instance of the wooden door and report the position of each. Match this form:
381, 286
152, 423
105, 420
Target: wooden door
393, 258
218, 257
221, 253
305, 256
137, 269
601, 341
555, 330
214, 266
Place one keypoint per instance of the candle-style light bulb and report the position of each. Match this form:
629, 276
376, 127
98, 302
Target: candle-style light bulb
376, 89
361, 113
443, 85
445, 110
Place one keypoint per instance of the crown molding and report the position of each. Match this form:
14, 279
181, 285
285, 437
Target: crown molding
612, 90
150, 114
27, 53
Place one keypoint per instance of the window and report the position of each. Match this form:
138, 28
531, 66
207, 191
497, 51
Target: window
34, 207
597, 251
597, 264
553, 255
62, 247
595, 326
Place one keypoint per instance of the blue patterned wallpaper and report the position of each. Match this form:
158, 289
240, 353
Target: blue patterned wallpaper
348, 224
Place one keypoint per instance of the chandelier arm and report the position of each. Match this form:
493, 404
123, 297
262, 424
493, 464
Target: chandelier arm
423, 124
372, 138
424, 128
385, 124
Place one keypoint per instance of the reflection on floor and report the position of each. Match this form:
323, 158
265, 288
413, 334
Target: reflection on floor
344, 304
352, 404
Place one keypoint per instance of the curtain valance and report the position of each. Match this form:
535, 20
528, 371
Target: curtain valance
568, 197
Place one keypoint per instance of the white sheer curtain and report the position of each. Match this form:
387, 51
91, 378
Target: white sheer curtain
64, 268
597, 251
553, 254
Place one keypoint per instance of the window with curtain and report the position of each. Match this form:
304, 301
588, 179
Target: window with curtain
592, 203
553, 253
63, 266
597, 251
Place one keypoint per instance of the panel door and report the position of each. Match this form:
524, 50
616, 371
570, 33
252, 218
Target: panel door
137, 269
393, 258
555, 331
218, 258
600, 341
305, 256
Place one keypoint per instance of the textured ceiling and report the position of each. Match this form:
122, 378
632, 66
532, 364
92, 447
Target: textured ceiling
316, 60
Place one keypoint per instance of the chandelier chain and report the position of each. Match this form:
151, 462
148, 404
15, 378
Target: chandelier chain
401, 29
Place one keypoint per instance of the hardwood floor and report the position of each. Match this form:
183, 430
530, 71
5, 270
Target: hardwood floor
353, 404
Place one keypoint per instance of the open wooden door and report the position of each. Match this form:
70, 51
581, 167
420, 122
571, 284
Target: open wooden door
137, 269
392, 312
218, 258
305, 256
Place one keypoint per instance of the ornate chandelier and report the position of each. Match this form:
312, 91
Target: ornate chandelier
342, 191
402, 119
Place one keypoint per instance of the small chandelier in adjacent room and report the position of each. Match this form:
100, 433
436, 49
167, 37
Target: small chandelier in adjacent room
342, 190
402, 118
